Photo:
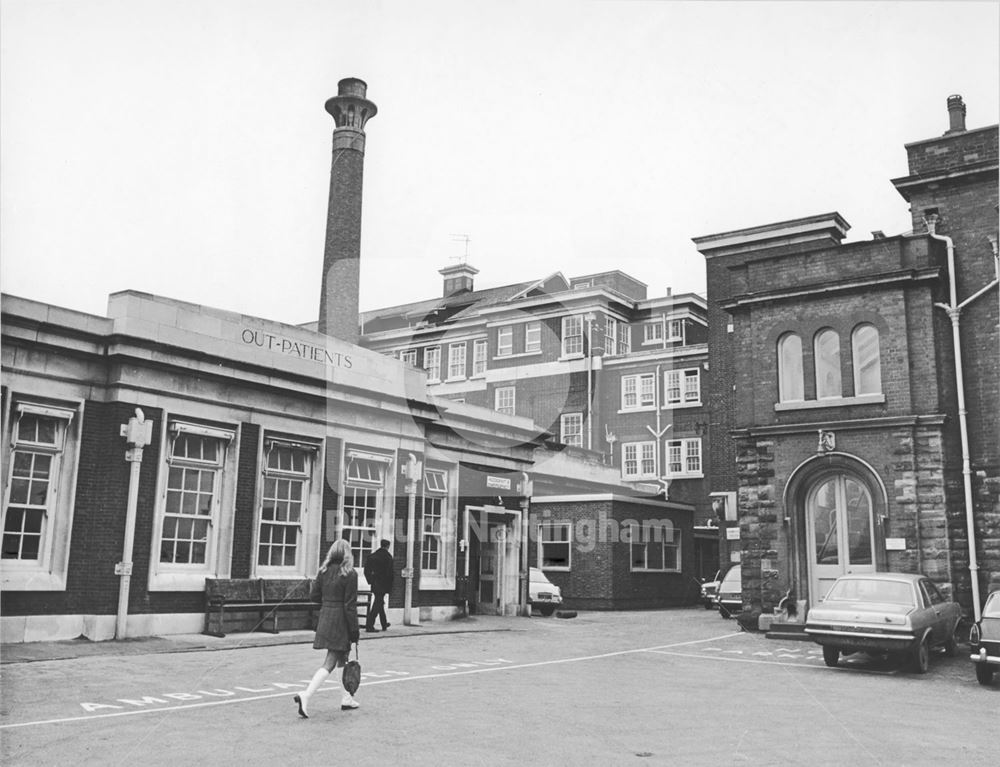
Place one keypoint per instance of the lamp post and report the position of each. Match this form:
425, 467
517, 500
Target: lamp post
525, 490
413, 471
138, 433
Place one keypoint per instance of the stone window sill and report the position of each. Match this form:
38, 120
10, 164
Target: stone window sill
864, 399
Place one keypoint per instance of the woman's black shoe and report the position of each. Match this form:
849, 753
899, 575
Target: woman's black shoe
302, 712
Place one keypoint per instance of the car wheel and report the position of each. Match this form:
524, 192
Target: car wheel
724, 612
951, 645
708, 605
831, 656
984, 673
920, 657
547, 610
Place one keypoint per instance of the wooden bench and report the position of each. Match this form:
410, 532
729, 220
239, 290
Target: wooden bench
268, 597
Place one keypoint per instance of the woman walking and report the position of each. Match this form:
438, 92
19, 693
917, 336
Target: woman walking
336, 586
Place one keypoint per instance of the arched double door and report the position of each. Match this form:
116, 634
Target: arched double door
839, 530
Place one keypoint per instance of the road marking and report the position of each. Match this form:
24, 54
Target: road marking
853, 669
396, 680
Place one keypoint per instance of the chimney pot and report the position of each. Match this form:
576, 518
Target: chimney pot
956, 114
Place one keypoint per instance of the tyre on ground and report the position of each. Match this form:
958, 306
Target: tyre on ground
984, 673
831, 656
920, 657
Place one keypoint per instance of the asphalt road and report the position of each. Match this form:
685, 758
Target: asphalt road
680, 687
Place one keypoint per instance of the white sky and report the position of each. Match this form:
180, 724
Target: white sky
181, 147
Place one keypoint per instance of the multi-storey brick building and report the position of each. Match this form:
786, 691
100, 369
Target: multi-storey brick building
858, 426
592, 359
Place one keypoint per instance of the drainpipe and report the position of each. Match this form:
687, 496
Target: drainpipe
138, 433
413, 471
954, 310
590, 381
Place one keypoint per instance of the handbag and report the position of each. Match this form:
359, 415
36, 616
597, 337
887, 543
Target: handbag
351, 678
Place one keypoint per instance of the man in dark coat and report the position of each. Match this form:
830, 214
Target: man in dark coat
378, 573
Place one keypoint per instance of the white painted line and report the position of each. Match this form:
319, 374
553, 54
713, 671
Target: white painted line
852, 669
285, 693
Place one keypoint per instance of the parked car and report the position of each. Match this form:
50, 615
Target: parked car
542, 593
709, 589
729, 597
984, 640
891, 614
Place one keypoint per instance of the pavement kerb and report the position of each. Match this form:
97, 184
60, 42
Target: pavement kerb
71, 649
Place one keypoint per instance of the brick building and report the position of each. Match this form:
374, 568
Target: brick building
593, 360
836, 413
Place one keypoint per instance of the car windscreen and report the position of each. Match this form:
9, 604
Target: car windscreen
992, 608
732, 581
872, 590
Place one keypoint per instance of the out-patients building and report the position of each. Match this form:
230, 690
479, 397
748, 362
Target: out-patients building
856, 387
168, 443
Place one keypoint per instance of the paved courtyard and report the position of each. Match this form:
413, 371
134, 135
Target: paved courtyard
661, 687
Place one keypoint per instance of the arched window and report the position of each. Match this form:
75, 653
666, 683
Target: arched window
790, 368
867, 363
827, 352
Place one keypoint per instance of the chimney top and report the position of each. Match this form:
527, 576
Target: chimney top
350, 108
352, 86
956, 114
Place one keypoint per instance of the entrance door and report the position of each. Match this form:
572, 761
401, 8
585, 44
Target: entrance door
489, 575
839, 530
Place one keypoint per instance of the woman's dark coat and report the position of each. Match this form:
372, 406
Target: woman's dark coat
337, 627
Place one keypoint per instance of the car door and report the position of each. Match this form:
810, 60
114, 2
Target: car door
935, 605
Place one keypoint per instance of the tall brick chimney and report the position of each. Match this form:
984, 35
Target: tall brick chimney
338, 302
956, 115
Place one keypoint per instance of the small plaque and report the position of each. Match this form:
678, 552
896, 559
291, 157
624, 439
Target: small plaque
765, 564
123, 568
734, 556
895, 544
732, 533
498, 483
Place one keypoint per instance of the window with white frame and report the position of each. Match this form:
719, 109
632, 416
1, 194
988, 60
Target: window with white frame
364, 485
684, 457
867, 363
456, 361
435, 501
37, 501
790, 388
505, 341
191, 517
432, 363
409, 356
638, 460
617, 337
638, 391
504, 400
571, 429
682, 387
572, 336
652, 332
554, 545
655, 546
480, 350
827, 353
675, 330
533, 336
285, 500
